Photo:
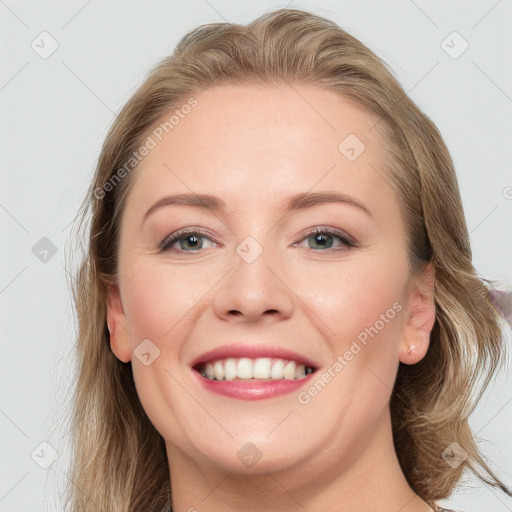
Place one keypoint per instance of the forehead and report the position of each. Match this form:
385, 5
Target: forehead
249, 143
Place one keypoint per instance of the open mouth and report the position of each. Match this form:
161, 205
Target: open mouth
246, 369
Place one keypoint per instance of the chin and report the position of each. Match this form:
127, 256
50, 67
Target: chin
251, 460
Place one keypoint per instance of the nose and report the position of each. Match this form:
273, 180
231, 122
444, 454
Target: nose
254, 291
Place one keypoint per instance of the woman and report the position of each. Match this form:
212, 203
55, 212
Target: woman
277, 307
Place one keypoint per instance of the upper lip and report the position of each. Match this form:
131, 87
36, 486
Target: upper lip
253, 352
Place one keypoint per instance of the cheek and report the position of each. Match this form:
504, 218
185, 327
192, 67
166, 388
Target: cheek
160, 296
161, 303
360, 306
352, 296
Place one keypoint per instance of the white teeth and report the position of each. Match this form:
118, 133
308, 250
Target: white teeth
300, 371
218, 370
260, 368
230, 369
289, 370
277, 370
244, 368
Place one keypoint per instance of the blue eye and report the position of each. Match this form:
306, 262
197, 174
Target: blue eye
188, 240
193, 240
324, 238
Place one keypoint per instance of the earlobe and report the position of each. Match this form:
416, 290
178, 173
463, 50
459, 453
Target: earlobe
119, 338
421, 312
414, 352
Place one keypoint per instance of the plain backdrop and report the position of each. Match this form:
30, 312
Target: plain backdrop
56, 109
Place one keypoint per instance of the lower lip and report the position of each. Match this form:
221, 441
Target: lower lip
252, 389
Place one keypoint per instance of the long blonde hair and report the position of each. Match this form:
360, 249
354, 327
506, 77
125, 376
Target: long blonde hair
119, 460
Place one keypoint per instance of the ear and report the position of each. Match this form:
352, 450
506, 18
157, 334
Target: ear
421, 311
119, 337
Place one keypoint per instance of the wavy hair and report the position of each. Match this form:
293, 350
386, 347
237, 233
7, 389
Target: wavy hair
119, 461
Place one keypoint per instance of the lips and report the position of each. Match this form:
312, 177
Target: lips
252, 372
252, 361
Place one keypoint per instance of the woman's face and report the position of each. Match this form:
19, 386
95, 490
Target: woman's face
218, 323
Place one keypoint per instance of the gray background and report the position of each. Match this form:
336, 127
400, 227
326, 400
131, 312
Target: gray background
55, 113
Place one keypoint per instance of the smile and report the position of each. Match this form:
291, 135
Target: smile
252, 372
244, 368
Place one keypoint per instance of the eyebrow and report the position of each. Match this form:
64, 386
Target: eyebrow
297, 202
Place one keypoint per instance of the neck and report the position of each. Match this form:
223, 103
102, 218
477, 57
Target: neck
368, 478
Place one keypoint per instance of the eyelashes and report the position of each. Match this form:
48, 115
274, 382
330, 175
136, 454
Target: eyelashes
183, 234
319, 236
323, 237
